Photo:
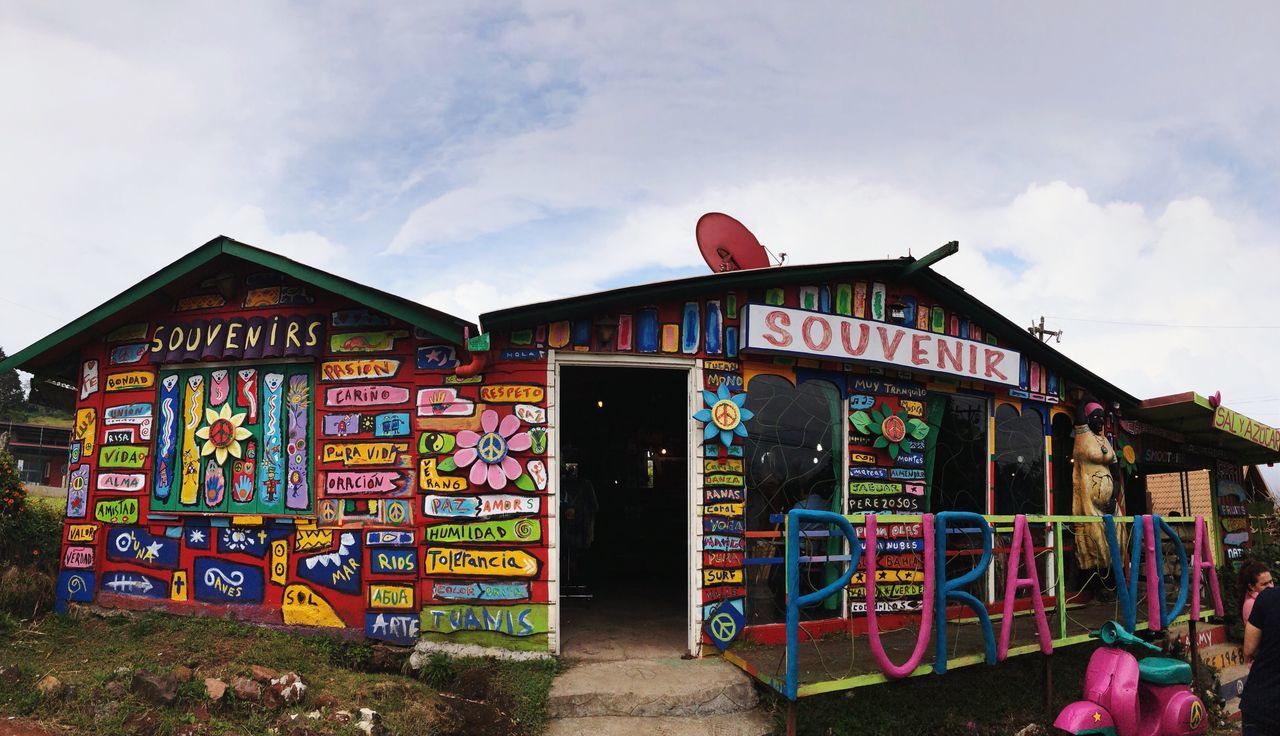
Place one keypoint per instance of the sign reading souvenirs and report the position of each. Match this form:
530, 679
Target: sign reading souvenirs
783, 330
242, 338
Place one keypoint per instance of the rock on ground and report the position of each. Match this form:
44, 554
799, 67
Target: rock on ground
289, 688
214, 688
246, 689
154, 689
49, 686
263, 674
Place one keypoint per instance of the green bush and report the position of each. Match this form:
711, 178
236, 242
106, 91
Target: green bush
13, 496
31, 538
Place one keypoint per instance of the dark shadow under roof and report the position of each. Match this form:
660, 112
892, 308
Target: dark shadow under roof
905, 269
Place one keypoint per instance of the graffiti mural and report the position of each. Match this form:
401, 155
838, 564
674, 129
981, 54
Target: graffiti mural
266, 448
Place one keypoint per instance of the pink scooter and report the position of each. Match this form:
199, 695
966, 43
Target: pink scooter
1127, 697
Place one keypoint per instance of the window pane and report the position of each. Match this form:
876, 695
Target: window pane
791, 462
959, 466
1019, 461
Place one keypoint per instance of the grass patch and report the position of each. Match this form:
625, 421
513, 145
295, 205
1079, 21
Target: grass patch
86, 653
55, 504
516, 689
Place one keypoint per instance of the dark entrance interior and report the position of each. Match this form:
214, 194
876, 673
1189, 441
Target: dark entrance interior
623, 518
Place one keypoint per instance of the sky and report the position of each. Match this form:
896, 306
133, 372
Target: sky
1114, 169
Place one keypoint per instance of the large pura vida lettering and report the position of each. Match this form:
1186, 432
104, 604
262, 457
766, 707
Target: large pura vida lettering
248, 338
783, 330
940, 591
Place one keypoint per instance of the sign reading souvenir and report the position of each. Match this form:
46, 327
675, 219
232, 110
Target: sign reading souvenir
797, 332
242, 338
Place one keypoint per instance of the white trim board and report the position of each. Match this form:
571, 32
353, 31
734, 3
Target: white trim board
555, 360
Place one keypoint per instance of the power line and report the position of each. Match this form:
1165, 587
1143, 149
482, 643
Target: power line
1166, 324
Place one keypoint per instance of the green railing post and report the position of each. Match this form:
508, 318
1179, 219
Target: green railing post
1061, 583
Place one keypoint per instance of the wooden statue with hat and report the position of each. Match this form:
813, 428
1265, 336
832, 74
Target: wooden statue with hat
1096, 485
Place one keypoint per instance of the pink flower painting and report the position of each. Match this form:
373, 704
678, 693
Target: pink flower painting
489, 452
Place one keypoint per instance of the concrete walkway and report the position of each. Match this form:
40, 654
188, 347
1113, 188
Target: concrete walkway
669, 696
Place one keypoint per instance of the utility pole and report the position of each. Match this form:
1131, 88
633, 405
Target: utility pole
1040, 332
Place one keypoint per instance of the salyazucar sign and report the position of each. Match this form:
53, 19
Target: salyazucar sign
796, 331
1242, 426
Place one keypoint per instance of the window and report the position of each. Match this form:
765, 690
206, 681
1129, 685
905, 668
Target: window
791, 462
235, 441
1019, 460
960, 456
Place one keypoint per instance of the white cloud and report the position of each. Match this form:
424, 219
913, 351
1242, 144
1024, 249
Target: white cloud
1093, 164
248, 224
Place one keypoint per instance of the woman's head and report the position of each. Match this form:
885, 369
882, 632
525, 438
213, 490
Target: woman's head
1254, 576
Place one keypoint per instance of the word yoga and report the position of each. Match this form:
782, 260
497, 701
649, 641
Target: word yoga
940, 591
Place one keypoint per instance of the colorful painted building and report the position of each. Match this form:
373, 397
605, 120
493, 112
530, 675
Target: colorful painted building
260, 439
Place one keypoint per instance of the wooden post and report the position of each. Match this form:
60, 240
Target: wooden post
791, 718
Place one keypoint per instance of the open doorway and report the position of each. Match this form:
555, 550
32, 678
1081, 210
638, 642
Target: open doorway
624, 490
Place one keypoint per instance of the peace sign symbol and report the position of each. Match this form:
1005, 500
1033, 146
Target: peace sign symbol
725, 414
723, 627
492, 448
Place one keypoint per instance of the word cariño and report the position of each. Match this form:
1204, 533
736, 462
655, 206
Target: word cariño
939, 590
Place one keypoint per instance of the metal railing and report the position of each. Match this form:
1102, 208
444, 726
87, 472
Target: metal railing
1142, 557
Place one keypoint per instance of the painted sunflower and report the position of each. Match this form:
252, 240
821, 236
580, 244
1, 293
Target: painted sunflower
1128, 455
724, 415
222, 433
892, 431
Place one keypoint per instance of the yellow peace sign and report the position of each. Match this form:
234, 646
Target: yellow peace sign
1197, 714
491, 448
725, 414
723, 627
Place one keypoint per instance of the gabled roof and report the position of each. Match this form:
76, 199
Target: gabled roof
54, 347
905, 269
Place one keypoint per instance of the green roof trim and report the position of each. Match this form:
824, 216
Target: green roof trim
48, 349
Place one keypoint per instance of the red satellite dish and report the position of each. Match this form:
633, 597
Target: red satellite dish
727, 245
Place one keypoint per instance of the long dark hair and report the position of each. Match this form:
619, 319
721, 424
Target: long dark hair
1249, 573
